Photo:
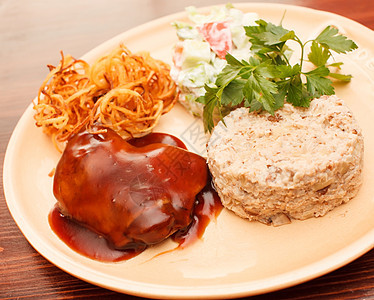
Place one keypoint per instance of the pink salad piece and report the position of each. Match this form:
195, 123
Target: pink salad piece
218, 35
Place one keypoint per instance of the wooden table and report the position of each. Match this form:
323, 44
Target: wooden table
31, 35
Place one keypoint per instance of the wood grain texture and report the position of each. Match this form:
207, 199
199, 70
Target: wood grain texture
31, 35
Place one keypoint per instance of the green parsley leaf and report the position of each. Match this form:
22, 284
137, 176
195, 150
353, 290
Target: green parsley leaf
210, 101
232, 94
268, 34
265, 90
231, 60
267, 69
280, 97
296, 92
331, 39
341, 77
288, 71
317, 83
254, 105
318, 54
336, 65
208, 116
229, 73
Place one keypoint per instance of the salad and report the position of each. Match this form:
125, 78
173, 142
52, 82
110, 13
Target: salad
199, 56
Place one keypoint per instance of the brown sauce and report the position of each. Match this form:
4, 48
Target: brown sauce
157, 137
208, 207
130, 215
85, 241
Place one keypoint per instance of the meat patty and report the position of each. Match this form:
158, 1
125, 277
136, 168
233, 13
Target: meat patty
133, 196
299, 163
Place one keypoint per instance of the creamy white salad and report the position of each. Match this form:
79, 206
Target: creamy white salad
199, 56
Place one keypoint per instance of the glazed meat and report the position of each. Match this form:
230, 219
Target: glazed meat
133, 196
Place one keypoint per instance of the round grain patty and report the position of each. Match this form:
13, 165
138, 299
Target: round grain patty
298, 163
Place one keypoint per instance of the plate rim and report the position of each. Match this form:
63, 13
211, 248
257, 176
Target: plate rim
335, 260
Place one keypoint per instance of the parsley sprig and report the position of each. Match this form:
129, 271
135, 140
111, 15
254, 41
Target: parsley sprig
268, 79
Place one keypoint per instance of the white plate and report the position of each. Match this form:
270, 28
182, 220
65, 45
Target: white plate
236, 257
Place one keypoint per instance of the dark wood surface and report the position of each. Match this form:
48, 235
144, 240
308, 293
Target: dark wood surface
31, 35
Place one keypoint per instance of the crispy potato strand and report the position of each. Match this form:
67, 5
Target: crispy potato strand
123, 91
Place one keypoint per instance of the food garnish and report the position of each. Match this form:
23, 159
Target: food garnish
123, 91
267, 79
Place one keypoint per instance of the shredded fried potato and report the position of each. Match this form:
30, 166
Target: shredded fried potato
123, 91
